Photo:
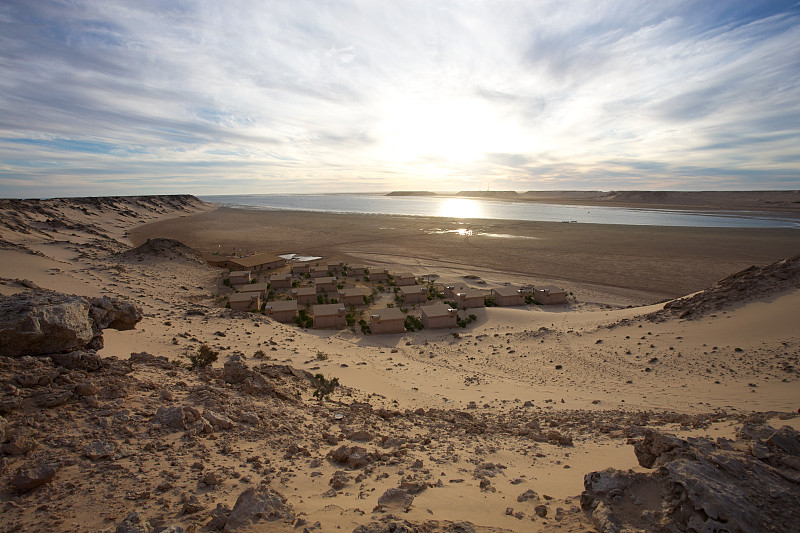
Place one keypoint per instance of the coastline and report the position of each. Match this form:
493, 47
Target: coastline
614, 264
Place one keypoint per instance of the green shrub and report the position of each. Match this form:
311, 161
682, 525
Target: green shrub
303, 319
489, 301
464, 322
204, 357
324, 387
365, 329
413, 323
226, 282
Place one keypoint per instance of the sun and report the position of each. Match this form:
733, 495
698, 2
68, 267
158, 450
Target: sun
459, 130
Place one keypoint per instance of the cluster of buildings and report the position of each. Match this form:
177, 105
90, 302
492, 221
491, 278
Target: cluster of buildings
328, 293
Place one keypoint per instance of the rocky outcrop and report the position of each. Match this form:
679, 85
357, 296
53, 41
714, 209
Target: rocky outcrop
254, 506
749, 284
748, 485
46, 322
161, 249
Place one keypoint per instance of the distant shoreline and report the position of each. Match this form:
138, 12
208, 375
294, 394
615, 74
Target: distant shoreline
784, 201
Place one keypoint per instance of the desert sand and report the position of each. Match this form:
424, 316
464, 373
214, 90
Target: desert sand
492, 427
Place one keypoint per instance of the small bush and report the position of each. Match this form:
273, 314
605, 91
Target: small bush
489, 301
322, 356
260, 354
204, 357
325, 387
365, 329
226, 282
413, 323
303, 319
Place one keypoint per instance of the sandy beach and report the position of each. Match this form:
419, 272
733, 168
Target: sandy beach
492, 427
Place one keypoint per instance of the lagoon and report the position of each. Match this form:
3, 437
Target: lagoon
477, 208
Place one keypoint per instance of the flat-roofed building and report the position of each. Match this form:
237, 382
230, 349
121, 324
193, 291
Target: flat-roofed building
301, 267
318, 271
335, 268
280, 281
508, 296
378, 275
281, 310
403, 279
354, 295
326, 284
260, 288
439, 315
549, 295
470, 298
240, 277
356, 271
389, 320
261, 261
328, 316
304, 295
245, 301
414, 294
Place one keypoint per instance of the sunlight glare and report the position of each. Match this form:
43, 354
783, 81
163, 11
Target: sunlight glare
460, 208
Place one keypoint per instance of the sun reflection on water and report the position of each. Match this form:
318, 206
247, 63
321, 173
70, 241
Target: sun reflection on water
460, 208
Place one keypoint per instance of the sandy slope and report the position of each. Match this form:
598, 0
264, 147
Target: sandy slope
590, 373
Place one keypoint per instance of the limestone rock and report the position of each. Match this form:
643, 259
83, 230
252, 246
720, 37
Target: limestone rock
235, 370
256, 506
354, 457
44, 322
113, 313
78, 360
172, 417
395, 498
701, 485
218, 421
34, 323
28, 478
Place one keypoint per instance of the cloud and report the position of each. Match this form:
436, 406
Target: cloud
250, 96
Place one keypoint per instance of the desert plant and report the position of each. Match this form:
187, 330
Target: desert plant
226, 282
413, 323
322, 356
260, 354
324, 387
489, 301
365, 329
303, 319
204, 357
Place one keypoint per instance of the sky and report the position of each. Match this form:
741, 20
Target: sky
254, 97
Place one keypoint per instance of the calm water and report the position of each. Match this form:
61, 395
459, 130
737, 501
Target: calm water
468, 208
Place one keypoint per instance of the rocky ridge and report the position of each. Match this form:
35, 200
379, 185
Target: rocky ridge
750, 484
746, 285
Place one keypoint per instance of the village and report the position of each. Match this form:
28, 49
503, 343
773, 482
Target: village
336, 294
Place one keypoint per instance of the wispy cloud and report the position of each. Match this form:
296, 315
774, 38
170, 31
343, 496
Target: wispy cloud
104, 97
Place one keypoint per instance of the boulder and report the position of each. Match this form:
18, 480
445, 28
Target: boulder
254, 506
45, 322
218, 421
87, 360
113, 313
700, 484
29, 478
235, 370
35, 323
172, 417
396, 499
